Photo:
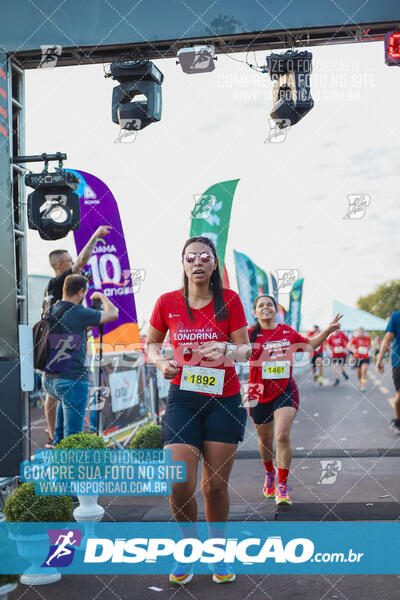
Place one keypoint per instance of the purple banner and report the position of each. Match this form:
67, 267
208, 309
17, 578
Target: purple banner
109, 268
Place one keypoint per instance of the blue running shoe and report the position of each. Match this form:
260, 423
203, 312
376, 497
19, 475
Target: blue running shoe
181, 573
222, 572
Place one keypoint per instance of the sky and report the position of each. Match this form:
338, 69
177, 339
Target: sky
292, 197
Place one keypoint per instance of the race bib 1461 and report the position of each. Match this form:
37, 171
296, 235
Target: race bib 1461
276, 369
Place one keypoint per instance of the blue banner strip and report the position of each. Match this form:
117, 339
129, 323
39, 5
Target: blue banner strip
150, 548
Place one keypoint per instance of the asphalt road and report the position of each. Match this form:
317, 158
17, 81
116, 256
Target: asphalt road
336, 426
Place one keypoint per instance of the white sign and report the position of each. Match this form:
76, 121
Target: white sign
124, 390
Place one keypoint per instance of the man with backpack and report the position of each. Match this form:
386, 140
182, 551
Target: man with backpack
62, 264
66, 376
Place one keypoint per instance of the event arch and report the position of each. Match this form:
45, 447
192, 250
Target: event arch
99, 32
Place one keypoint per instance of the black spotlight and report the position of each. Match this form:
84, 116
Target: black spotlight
53, 208
136, 78
291, 93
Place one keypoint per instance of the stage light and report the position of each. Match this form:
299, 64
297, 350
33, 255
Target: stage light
136, 78
53, 208
197, 59
291, 92
392, 48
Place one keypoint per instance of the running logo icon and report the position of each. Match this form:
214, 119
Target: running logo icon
251, 393
62, 349
330, 471
62, 542
277, 131
202, 59
50, 56
128, 130
204, 203
357, 206
286, 279
133, 278
98, 395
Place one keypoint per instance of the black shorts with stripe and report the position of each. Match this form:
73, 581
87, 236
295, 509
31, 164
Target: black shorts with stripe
263, 412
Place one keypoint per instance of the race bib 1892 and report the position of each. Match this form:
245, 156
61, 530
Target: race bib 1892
202, 379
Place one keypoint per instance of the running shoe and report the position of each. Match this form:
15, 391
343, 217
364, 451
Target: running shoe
336, 382
269, 484
362, 387
395, 424
345, 375
222, 572
282, 495
320, 380
181, 573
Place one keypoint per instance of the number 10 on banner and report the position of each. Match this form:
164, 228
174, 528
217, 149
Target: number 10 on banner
105, 269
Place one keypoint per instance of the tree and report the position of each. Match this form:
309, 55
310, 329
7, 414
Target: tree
383, 301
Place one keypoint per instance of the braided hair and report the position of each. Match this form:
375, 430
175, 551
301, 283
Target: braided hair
220, 310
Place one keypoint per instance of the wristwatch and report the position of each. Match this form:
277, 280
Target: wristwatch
229, 348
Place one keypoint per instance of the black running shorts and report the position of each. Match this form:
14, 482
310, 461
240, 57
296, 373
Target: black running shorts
314, 358
361, 361
263, 412
339, 360
193, 418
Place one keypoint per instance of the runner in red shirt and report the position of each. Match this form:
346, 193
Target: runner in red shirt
360, 346
338, 342
204, 413
273, 397
316, 357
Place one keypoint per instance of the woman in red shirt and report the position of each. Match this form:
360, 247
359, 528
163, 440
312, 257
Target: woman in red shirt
204, 413
272, 391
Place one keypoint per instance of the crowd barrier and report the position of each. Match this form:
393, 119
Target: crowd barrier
125, 397
133, 392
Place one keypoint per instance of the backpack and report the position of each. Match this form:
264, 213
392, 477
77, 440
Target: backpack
48, 324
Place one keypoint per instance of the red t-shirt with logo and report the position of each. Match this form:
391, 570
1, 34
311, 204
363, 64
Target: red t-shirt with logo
362, 345
276, 344
170, 313
338, 342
